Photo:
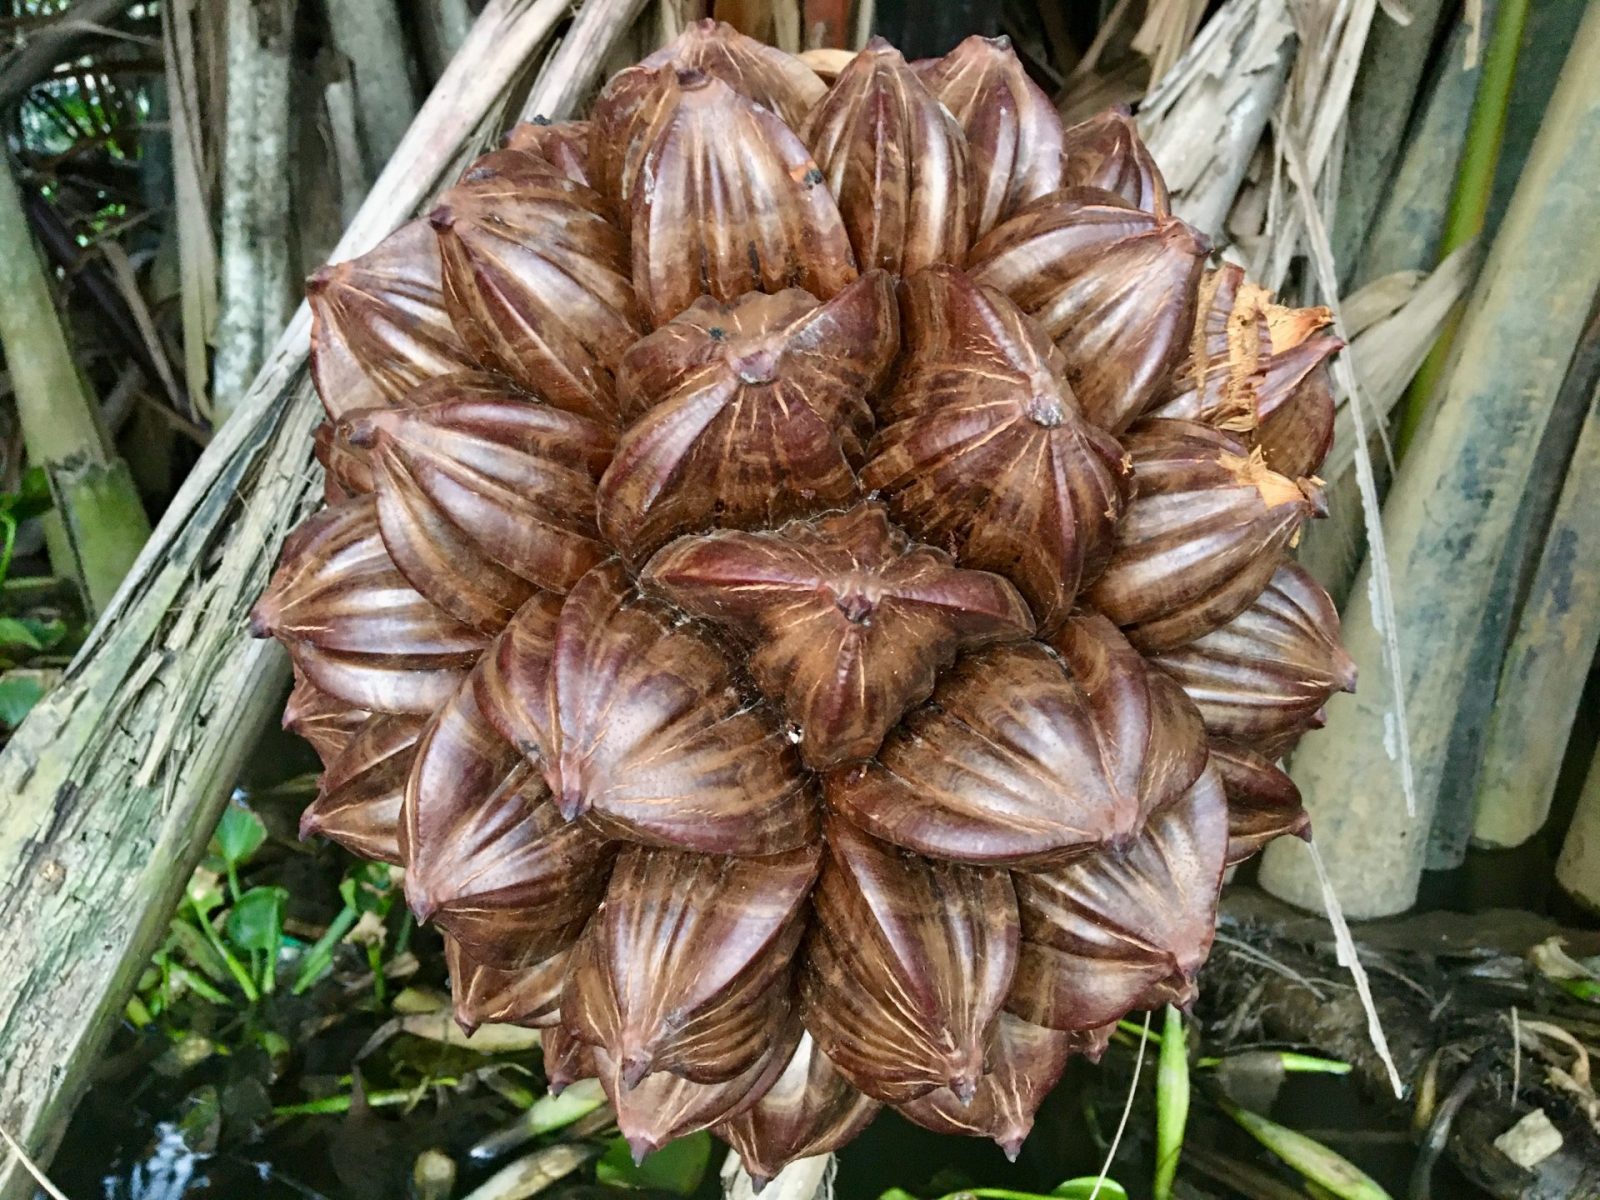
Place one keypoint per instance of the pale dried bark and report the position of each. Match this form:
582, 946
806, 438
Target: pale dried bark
1204, 120
256, 227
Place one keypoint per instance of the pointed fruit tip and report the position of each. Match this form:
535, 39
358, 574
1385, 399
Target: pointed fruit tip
262, 619
758, 1183
641, 1148
423, 904
442, 218
1010, 1142
635, 1067
1344, 669
570, 803
964, 1086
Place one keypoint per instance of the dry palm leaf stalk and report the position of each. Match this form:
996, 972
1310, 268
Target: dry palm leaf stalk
804, 587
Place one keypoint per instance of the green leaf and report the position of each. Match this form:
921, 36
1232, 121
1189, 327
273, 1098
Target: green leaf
256, 922
676, 1167
1172, 1103
1084, 1187
201, 953
239, 835
17, 633
1307, 1156
32, 498
18, 695
374, 890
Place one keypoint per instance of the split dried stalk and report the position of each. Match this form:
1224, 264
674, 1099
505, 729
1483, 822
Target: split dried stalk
197, 250
255, 264
113, 779
1205, 118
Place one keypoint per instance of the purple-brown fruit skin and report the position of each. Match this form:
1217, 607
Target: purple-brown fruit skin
805, 588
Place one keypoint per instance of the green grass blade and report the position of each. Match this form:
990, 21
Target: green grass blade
1172, 1102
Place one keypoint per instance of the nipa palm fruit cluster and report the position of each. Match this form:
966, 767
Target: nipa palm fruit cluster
805, 588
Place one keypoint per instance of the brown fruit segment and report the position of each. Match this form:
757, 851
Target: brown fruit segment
513, 681
1267, 671
536, 280
483, 499
1106, 152
984, 452
1013, 130
664, 1106
1295, 408
657, 742
897, 162
486, 995
325, 721
687, 966
832, 356
1263, 802
1030, 758
1112, 285
735, 204
1210, 525
848, 621
379, 326
562, 144
487, 855
360, 794
354, 626
347, 472
770, 424
907, 965
809, 1109
566, 1059
1255, 369
1123, 929
779, 82
1027, 1060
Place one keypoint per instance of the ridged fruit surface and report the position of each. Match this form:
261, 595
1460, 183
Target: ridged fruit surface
805, 588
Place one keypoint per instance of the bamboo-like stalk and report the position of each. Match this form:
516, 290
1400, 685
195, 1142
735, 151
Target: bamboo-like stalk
1451, 515
1409, 224
1547, 663
1578, 868
115, 779
1381, 105
1469, 202
443, 26
368, 34
256, 229
99, 522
